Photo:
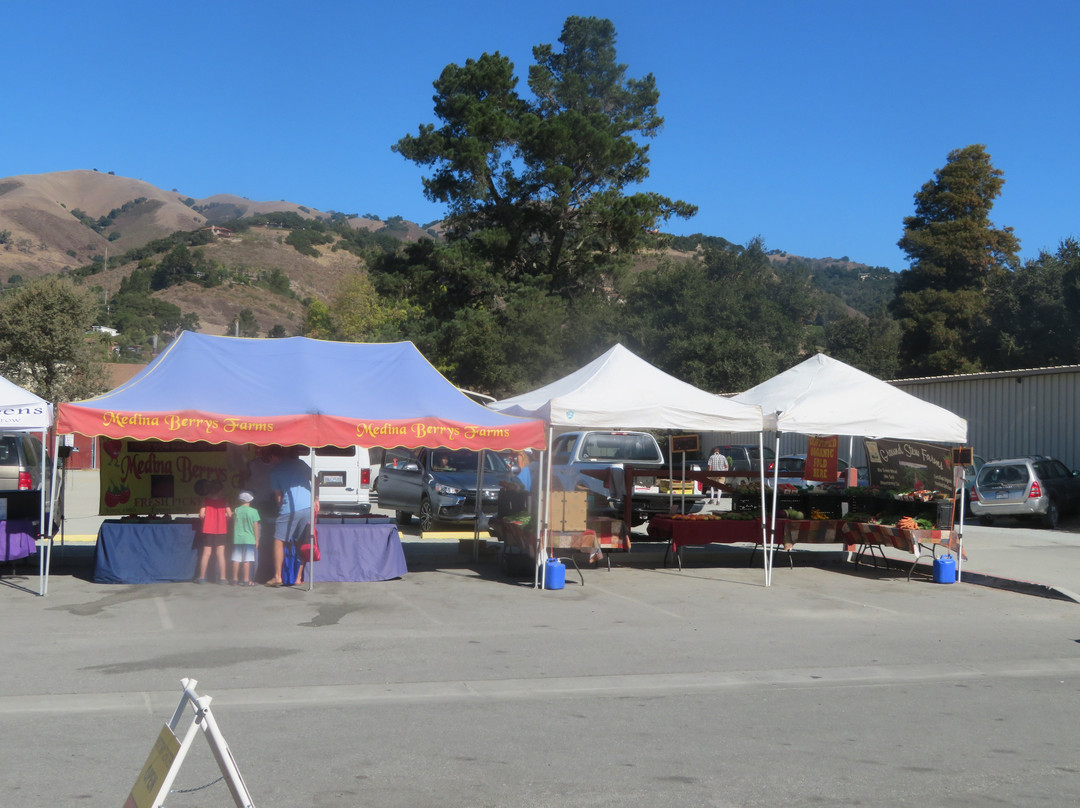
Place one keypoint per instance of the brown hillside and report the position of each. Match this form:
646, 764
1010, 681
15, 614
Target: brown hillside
45, 238
254, 251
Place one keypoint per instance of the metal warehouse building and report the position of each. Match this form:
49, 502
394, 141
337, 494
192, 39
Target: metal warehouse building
1012, 412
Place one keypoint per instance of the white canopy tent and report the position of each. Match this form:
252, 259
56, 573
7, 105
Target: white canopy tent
824, 396
620, 390
22, 411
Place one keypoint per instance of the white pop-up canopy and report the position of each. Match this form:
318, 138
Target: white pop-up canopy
21, 410
824, 396
619, 389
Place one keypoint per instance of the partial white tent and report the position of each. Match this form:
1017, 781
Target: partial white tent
619, 389
824, 396
22, 411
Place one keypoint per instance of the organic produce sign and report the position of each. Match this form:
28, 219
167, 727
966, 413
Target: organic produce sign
820, 463
903, 465
159, 477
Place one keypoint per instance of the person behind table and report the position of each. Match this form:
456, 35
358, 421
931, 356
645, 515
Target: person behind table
524, 477
522, 483
213, 530
290, 478
717, 462
245, 539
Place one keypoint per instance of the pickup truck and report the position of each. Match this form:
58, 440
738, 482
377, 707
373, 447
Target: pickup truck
582, 460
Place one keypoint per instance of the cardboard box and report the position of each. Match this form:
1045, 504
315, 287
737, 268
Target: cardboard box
679, 486
569, 510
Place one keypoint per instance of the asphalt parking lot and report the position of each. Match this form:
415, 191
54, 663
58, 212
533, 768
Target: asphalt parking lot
459, 686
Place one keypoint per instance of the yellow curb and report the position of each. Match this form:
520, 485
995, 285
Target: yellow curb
449, 535
82, 538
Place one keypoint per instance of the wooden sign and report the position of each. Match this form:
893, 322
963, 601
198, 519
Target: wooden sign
685, 443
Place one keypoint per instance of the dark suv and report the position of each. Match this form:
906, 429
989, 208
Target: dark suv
747, 457
439, 484
1025, 486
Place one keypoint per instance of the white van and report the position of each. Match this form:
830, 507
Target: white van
343, 477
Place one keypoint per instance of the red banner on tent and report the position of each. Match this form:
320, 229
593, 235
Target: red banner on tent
303, 430
821, 456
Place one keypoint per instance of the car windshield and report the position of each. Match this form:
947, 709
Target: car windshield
620, 447
463, 460
1003, 475
792, 464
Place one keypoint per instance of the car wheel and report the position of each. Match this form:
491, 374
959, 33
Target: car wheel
426, 515
404, 518
986, 520
1052, 516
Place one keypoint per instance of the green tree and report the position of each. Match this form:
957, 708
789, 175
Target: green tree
243, 325
1034, 313
539, 187
724, 324
43, 343
870, 344
955, 253
355, 313
175, 268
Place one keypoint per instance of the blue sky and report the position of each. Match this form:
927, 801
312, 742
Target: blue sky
810, 124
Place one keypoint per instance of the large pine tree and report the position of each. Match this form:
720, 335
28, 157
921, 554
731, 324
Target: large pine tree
955, 252
542, 188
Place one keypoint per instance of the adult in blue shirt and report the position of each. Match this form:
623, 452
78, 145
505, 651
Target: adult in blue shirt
290, 478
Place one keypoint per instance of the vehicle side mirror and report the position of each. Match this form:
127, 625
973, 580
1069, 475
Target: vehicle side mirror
411, 466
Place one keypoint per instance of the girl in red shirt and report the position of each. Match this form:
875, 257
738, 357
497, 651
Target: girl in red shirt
214, 529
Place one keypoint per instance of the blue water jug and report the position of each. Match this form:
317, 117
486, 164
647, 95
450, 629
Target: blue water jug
554, 574
945, 570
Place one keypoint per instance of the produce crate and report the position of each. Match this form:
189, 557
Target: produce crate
793, 502
832, 505
745, 503
678, 486
868, 503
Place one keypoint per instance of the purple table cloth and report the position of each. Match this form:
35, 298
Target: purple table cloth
16, 539
359, 552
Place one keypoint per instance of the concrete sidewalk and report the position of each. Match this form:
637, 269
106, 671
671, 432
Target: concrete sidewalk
1013, 556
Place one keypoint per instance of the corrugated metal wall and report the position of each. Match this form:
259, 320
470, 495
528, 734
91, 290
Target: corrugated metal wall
1012, 412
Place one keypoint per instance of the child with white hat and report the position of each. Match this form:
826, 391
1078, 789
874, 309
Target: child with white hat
245, 539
